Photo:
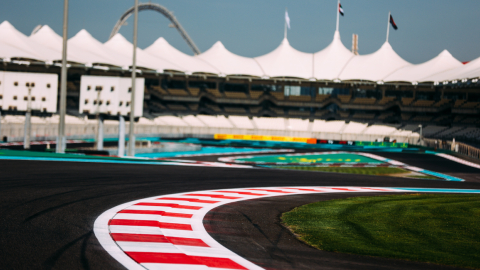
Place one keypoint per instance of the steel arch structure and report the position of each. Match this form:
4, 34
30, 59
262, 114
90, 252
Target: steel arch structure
165, 12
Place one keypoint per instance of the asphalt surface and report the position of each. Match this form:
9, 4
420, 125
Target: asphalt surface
48, 208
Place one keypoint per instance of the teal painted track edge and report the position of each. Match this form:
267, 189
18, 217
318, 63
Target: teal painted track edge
441, 175
442, 190
86, 160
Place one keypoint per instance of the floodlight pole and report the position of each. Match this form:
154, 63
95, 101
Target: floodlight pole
131, 139
63, 84
388, 25
121, 136
28, 122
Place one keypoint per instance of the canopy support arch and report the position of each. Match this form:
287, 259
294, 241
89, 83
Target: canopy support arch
165, 12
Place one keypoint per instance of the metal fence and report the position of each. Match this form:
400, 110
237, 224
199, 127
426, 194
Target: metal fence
457, 147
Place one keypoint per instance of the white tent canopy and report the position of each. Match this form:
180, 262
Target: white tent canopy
120, 45
16, 43
48, 38
470, 70
373, 67
229, 63
417, 73
285, 61
329, 62
189, 64
333, 62
95, 52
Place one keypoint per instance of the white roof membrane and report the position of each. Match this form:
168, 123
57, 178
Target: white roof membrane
417, 73
375, 66
229, 63
16, 43
285, 61
161, 48
121, 45
329, 62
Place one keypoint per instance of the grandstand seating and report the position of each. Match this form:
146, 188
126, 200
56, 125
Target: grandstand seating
268, 123
422, 118
235, 94
278, 111
470, 120
255, 94
320, 113
214, 92
354, 128
385, 115
159, 89
193, 106
321, 98
193, 121
171, 121
215, 121
194, 91
177, 92
423, 103
367, 101
278, 95
405, 116
297, 124
300, 98
386, 100
213, 107
234, 110
380, 130
430, 131
344, 114
449, 132
327, 126
441, 118
298, 113
177, 107
470, 104
363, 115
441, 102
344, 98
255, 110
459, 102
241, 122
407, 101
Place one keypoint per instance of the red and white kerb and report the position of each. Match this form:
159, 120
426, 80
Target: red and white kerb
167, 232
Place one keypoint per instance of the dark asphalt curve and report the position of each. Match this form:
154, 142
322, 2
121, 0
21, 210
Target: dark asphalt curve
48, 208
253, 230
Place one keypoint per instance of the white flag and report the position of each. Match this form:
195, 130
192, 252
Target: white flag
287, 19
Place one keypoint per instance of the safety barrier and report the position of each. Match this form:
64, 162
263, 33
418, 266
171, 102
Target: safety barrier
454, 146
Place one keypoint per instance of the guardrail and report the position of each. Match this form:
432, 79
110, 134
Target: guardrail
454, 146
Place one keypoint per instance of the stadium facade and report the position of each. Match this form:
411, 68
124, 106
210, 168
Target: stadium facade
332, 84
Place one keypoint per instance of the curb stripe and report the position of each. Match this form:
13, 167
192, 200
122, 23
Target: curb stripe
158, 244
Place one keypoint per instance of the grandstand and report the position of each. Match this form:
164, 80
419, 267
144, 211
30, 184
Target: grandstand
186, 94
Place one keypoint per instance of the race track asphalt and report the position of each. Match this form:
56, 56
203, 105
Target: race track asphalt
48, 208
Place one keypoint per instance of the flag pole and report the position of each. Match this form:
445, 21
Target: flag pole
388, 25
338, 14
285, 34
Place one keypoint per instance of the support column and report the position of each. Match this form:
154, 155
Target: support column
27, 131
121, 136
100, 133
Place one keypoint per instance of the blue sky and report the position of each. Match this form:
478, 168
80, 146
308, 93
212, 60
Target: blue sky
255, 27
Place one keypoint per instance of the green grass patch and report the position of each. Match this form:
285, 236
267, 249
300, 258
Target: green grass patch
440, 229
325, 158
386, 171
